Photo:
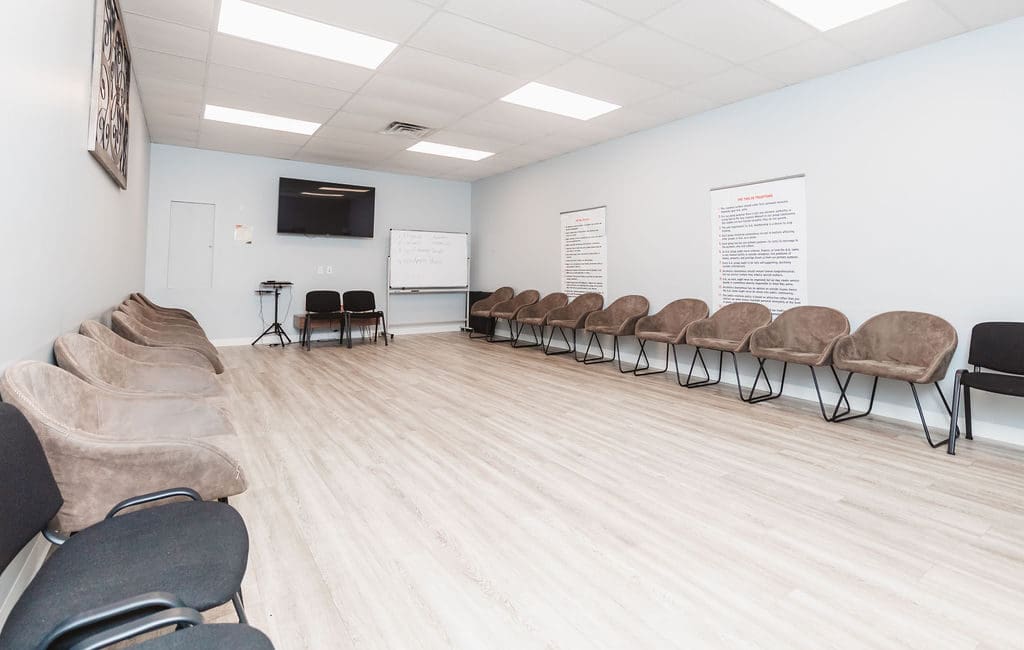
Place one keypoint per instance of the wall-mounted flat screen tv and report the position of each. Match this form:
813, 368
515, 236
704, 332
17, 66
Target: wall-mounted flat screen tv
324, 208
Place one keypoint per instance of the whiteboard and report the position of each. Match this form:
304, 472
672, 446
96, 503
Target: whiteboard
422, 259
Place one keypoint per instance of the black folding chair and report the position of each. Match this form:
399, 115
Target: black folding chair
994, 346
363, 306
322, 306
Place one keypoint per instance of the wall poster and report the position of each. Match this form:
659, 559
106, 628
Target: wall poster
584, 252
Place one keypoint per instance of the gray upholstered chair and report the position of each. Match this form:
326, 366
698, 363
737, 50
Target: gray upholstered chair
509, 310
106, 446
905, 346
171, 311
183, 356
482, 308
728, 330
97, 364
572, 317
617, 320
137, 332
803, 336
160, 323
536, 316
668, 326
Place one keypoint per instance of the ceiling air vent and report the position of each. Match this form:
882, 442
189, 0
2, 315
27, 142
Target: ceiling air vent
407, 130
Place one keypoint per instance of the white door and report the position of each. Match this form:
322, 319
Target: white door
190, 253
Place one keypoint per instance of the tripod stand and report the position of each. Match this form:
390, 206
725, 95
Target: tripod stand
275, 329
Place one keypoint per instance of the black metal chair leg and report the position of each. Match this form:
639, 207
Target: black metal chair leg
492, 339
589, 360
487, 334
570, 347
765, 397
842, 398
384, 326
669, 347
954, 416
537, 341
617, 352
821, 403
707, 381
236, 600
924, 422
967, 413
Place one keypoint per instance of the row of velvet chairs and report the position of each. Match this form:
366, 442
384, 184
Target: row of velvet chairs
118, 426
912, 347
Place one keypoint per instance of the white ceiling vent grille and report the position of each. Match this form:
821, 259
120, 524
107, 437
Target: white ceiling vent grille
407, 130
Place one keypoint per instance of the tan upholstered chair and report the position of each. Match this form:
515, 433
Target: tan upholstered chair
97, 364
160, 323
509, 310
482, 308
106, 446
141, 310
905, 346
801, 335
668, 326
171, 311
572, 317
137, 332
536, 316
728, 330
617, 320
185, 356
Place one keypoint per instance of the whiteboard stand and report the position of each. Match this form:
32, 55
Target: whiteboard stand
392, 291
447, 270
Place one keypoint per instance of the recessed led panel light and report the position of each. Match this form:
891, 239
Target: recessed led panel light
259, 120
829, 14
562, 102
256, 23
450, 151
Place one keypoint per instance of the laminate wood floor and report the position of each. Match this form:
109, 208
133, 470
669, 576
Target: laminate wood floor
446, 493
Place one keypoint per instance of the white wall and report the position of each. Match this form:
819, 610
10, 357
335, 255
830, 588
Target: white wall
72, 243
913, 165
244, 189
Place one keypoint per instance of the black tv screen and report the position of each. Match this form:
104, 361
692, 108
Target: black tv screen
323, 208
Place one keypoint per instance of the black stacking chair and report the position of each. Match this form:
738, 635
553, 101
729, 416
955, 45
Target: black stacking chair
363, 305
131, 573
322, 306
994, 346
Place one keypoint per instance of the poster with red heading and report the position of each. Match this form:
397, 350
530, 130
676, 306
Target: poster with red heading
584, 252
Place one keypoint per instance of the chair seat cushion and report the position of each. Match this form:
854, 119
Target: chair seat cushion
610, 330
788, 355
195, 550
532, 320
658, 337
507, 315
884, 369
995, 383
210, 637
481, 313
725, 345
566, 322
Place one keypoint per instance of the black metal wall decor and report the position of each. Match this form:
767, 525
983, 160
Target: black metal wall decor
111, 79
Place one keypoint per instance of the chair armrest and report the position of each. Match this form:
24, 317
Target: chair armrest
112, 611
647, 323
152, 497
938, 368
700, 329
761, 338
628, 326
180, 617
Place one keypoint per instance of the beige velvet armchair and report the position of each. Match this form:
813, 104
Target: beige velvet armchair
184, 356
100, 366
509, 310
804, 336
572, 317
617, 320
668, 326
908, 346
170, 311
482, 308
160, 323
728, 330
536, 316
106, 446
137, 332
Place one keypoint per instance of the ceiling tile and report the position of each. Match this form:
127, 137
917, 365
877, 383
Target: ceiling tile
348, 150
511, 122
411, 162
161, 106
478, 126
249, 147
393, 20
812, 58
635, 9
625, 121
411, 63
460, 38
601, 82
979, 13
391, 110
240, 80
159, 88
897, 29
375, 141
193, 13
336, 160
177, 138
470, 141
738, 30
210, 132
240, 53
549, 146
422, 94
177, 123
572, 25
169, 38
157, 64
733, 85
644, 52
281, 106
675, 105
358, 122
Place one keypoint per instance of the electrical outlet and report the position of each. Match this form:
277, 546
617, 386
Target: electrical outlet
330, 270
320, 270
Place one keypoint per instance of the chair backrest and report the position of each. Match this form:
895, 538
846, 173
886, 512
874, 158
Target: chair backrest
359, 301
678, 314
585, 302
736, 320
998, 346
909, 337
29, 496
90, 360
323, 301
628, 306
809, 328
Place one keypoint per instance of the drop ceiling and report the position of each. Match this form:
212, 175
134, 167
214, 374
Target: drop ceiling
661, 60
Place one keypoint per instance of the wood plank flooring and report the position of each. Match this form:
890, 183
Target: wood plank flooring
446, 493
